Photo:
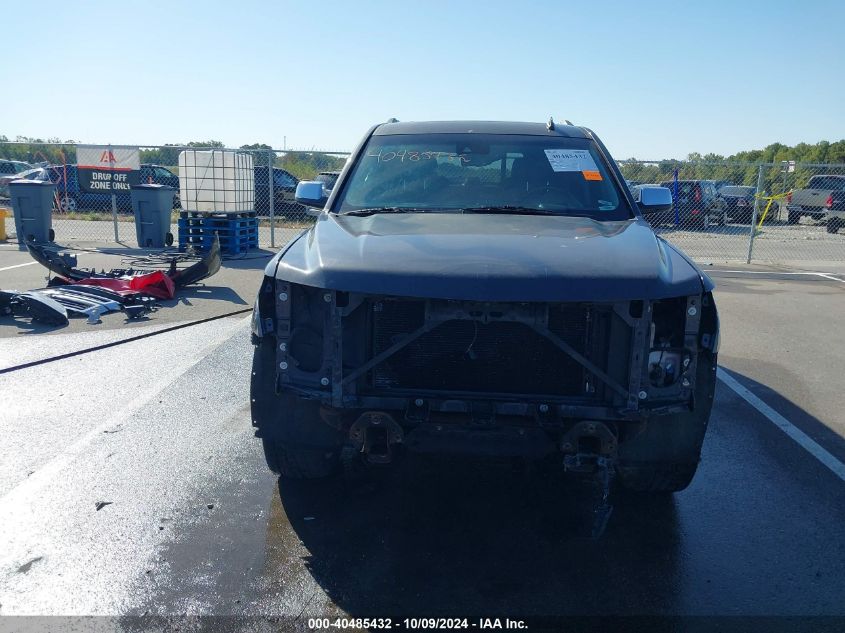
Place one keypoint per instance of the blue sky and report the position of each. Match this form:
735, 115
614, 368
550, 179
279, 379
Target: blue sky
653, 79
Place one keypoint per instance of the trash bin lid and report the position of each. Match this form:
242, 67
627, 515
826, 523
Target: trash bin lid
153, 185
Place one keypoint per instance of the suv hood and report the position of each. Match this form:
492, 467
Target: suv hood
480, 257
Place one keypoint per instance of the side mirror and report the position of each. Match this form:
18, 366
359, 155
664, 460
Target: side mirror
654, 199
311, 194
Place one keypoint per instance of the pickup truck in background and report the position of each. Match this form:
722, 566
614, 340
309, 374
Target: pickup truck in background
823, 195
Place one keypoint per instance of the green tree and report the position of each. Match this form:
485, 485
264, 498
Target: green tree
260, 158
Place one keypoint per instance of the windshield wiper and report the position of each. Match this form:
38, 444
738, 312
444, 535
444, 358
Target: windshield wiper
375, 210
507, 209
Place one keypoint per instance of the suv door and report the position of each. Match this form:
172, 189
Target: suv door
284, 184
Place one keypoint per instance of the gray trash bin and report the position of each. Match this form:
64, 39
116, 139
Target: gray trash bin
32, 206
152, 205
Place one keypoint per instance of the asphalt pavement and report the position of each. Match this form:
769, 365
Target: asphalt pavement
131, 484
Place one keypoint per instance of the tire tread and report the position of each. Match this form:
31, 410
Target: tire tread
657, 477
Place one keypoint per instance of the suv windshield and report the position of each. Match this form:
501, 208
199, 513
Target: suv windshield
483, 172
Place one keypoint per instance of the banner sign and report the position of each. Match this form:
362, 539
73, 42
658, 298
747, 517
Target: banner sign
105, 169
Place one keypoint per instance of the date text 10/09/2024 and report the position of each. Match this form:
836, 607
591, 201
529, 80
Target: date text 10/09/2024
413, 624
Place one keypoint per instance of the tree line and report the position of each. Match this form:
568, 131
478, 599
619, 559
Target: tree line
740, 168
55, 151
743, 168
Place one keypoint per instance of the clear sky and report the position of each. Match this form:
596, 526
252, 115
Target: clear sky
653, 79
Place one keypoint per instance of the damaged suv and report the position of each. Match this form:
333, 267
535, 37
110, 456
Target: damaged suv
484, 288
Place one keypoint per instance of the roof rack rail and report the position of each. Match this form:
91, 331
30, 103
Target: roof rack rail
551, 124
392, 119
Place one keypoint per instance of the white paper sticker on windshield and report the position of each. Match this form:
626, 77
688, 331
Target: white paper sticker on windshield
573, 160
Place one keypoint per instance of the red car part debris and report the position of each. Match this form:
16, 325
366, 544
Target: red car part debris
156, 284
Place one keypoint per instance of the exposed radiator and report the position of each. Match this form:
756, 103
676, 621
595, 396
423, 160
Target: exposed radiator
464, 355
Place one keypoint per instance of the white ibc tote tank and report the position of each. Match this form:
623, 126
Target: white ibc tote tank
216, 180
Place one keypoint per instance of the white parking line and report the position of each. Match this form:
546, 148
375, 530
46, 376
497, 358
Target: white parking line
17, 266
28, 488
796, 434
776, 272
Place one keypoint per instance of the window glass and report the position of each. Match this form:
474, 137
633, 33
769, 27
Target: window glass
284, 179
457, 171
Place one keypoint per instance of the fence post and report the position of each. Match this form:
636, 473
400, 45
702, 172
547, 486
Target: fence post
754, 213
271, 160
113, 198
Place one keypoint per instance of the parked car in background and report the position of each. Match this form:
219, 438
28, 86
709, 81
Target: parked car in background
739, 201
284, 189
823, 194
698, 203
10, 168
722, 183
36, 173
328, 178
159, 175
72, 198
655, 218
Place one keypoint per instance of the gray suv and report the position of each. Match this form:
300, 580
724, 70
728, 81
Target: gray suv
484, 289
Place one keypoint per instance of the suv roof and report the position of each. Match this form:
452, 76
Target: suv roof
481, 127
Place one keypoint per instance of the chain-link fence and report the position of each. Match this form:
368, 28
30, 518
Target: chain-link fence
85, 216
786, 213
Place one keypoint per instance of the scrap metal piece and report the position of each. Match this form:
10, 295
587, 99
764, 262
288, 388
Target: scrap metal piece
590, 447
603, 509
206, 267
96, 292
76, 303
137, 311
48, 256
65, 265
38, 307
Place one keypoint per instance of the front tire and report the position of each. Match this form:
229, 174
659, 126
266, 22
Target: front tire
793, 217
297, 442
649, 477
294, 463
664, 457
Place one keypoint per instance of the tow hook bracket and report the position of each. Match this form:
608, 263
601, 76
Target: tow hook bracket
373, 435
590, 448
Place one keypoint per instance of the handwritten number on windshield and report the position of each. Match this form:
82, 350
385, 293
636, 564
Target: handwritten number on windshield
414, 156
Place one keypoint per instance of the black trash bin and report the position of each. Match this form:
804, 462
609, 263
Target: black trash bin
152, 205
32, 206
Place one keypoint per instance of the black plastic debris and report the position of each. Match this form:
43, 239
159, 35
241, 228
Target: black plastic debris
38, 307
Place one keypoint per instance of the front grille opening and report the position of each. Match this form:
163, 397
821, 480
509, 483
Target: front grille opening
470, 356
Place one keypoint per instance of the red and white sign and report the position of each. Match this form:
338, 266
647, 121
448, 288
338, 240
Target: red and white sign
106, 169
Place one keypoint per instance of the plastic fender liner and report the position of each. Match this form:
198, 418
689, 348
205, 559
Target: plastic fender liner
40, 308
